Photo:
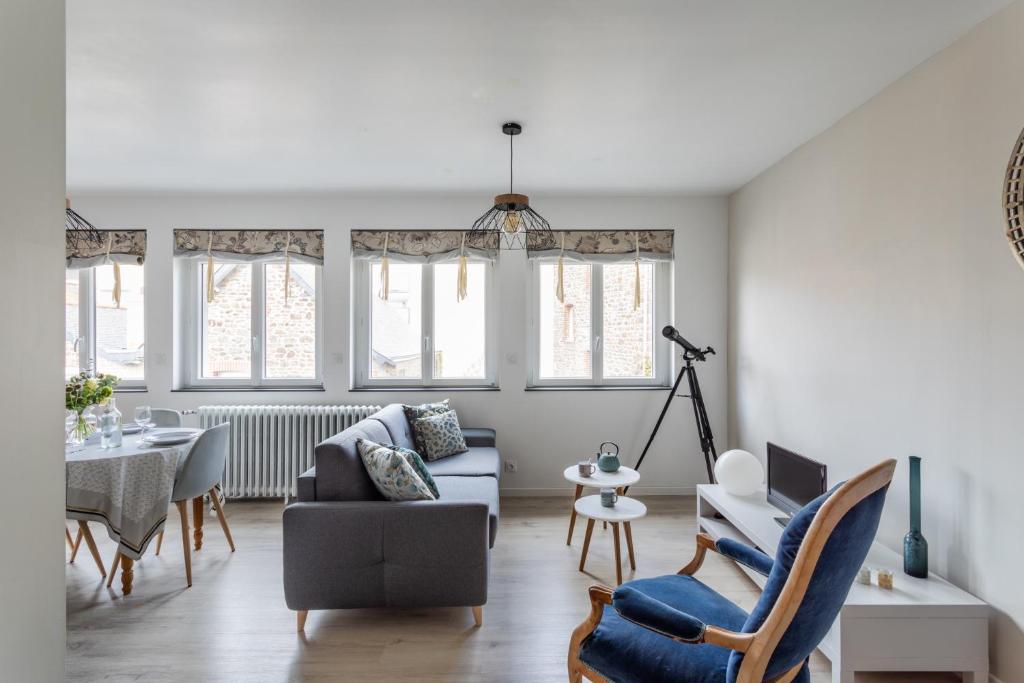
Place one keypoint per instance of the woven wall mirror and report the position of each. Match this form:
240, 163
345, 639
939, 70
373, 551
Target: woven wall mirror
1013, 200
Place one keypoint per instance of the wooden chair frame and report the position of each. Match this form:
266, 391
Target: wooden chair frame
759, 645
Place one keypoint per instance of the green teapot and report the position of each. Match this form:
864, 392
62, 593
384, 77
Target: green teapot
606, 460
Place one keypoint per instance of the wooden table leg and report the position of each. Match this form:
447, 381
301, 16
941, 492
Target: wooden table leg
127, 574
572, 518
197, 521
586, 542
628, 528
618, 555
83, 526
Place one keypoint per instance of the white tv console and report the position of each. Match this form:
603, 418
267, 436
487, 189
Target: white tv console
919, 625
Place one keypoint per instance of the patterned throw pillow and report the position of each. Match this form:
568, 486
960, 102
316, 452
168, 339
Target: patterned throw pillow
413, 413
391, 472
417, 464
442, 435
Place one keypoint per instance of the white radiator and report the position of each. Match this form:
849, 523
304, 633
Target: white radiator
270, 446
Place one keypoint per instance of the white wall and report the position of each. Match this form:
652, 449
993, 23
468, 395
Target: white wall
876, 312
544, 431
31, 216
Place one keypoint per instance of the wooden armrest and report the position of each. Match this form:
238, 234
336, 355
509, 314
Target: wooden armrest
740, 642
704, 544
599, 597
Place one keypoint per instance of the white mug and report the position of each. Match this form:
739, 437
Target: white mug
586, 468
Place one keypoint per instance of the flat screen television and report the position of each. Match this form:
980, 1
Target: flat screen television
793, 480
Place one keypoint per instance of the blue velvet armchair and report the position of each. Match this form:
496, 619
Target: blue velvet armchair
674, 628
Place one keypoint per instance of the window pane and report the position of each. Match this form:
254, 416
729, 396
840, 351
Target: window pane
71, 364
290, 329
460, 327
121, 330
565, 325
627, 338
396, 324
227, 324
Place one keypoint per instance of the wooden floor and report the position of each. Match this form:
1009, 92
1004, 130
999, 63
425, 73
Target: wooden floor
232, 625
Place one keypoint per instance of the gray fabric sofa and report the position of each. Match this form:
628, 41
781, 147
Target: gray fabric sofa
345, 546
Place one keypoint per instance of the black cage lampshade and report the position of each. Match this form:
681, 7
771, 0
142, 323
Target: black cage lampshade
511, 216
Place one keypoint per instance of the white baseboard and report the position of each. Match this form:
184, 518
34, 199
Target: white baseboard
566, 491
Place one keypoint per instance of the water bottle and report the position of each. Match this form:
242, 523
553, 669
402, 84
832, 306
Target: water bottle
110, 425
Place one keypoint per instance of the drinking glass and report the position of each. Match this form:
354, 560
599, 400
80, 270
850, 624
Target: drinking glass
143, 415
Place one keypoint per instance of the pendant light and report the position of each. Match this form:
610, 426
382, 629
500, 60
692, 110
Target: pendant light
511, 216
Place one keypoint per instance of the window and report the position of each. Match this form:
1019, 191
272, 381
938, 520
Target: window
423, 335
595, 336
249, 336
99, 334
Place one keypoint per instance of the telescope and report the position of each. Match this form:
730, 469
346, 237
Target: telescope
672, 333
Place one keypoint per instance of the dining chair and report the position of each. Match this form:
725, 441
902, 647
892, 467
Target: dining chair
164, 417
675, 628
198, 476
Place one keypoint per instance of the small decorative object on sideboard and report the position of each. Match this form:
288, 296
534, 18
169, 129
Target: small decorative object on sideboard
864, 575
915, 547
586, 468
609, 497
606, 460
739, 472
81, 393
885, 579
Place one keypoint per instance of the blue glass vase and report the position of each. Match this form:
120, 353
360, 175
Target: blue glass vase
915, 548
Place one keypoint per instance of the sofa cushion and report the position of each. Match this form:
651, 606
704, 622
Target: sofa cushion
413, 413
393, 472
394, 420
340, 474
478, 461
441, 435
484, 489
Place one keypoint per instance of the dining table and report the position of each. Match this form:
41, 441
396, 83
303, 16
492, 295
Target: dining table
127, 489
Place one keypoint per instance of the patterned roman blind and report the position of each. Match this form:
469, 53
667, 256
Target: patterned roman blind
125, 247
251, 245
423, 246
606, 246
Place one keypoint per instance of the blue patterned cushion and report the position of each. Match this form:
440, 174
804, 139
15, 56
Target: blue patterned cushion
391, 472
441, 434
417, 464
413, 413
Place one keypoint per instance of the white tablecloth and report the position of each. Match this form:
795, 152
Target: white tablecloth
127, 489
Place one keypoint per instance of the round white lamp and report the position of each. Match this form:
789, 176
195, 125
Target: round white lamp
739, 472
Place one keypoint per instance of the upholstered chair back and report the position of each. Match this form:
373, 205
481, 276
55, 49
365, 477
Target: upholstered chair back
164, 417
842, 525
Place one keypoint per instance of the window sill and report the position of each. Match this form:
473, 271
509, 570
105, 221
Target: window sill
131, 390
606, 387
236, 388
407, 389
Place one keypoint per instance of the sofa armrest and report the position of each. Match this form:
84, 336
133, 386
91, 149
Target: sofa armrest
479, 436
305, 486
376, 554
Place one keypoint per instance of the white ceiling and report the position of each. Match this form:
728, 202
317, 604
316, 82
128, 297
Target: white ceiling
642, 96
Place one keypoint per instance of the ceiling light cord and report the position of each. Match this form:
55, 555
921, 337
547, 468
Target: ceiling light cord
511, 153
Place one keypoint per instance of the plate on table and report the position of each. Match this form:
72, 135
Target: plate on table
170, 436
131, 429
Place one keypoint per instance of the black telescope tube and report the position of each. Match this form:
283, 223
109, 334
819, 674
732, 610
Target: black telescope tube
672, 333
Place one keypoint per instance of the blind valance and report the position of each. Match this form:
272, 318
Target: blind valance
607, 246
249, 246
126, 247
423, 246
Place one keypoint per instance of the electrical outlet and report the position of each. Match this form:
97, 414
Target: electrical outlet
510, 466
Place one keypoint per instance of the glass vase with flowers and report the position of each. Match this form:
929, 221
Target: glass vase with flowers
81, 393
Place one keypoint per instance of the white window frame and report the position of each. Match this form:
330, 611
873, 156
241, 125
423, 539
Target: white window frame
86, 339
362, 291
195, 315
662, 357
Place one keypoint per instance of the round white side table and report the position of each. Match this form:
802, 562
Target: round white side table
623, 512
624, 476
